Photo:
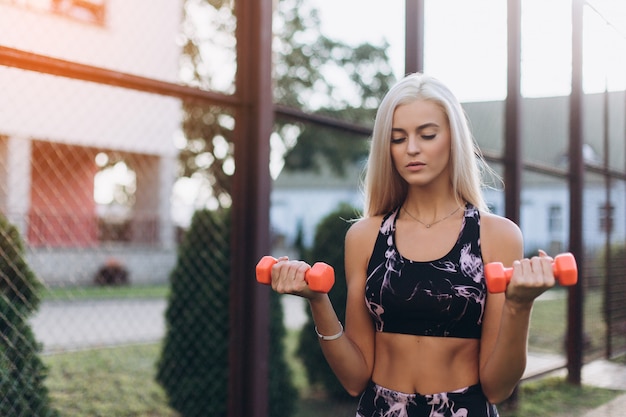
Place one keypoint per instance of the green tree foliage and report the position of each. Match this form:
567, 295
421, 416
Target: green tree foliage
22, 373
305, 57
207, 151
193, 367
282, 391
328, 247
303, 60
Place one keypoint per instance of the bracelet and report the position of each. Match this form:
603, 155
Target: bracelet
328, 338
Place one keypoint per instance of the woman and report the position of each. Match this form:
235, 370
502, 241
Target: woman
423, 337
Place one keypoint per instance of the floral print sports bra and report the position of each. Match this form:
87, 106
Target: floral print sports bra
441, 298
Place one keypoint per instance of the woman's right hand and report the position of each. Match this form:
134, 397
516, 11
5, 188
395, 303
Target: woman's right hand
288, 277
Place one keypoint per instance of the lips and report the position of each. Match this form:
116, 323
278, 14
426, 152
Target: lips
415, 166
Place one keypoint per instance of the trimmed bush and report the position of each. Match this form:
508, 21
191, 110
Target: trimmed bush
193, 367
283, 394
22, 373
328, 246
113, 272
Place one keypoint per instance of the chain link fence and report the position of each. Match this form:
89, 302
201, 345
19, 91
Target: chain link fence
545, 214
90, 178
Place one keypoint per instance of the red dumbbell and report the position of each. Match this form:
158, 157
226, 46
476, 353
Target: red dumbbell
320, 278
564, 268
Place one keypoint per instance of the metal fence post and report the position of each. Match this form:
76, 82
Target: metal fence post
249, 302
576, 185
414, 36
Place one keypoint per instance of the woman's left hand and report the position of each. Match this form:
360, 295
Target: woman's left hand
531, 278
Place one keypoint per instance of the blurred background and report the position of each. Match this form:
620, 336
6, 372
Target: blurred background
119, 132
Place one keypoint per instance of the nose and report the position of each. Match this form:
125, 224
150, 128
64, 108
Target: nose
413, 145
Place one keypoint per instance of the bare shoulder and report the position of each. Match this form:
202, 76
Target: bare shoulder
364, 228
501, 239
360, 240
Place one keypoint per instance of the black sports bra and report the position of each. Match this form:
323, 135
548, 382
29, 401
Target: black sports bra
443, 298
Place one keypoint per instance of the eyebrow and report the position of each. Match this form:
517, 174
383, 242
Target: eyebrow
419, 128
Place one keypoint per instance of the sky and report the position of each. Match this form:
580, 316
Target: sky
465, 42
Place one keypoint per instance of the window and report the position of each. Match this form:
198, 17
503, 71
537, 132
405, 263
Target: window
90, 11
555, 218
86, 10
605, 217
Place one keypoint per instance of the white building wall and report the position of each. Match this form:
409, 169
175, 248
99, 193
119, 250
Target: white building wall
307, 207
138, 37
81, 113
291, 207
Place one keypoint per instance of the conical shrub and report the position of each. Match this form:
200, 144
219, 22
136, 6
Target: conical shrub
193, 367
22, 373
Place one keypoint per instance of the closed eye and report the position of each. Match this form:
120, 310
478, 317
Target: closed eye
397, 140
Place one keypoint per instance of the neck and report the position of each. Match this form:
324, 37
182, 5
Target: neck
435, 221
430, 205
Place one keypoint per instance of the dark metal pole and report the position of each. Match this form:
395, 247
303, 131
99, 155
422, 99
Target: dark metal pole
576, 186
512, 151
414, 36
512, 147
248, 394
608, 216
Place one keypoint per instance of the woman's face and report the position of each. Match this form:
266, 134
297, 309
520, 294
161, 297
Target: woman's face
420, 143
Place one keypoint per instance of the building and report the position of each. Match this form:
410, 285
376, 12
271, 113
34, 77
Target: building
55, 131
301, 200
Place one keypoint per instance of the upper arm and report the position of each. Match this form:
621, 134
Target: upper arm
501, 241
359, 244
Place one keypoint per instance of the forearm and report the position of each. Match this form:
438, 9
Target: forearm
506, 363
343, 356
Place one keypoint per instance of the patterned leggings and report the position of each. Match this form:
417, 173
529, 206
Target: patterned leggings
377, 401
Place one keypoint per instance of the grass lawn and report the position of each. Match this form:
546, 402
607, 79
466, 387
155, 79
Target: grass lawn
115, 382
552, 397
548, 325
105, 292
120, 381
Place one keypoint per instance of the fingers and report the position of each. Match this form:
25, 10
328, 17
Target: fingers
543, 254
288, 277
542, 272
531, 277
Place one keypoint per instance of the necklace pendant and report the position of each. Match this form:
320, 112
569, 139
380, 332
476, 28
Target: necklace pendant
428, 226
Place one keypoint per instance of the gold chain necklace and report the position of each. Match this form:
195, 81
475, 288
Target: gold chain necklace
433, 223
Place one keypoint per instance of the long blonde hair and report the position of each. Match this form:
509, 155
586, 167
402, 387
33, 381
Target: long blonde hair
383, 187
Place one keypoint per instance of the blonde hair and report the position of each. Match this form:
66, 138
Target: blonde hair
383, 187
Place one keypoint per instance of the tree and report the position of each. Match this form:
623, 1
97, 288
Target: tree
193, 367
303, 60
22, 373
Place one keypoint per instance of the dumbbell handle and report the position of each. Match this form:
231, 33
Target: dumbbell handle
320, 278
564, 269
